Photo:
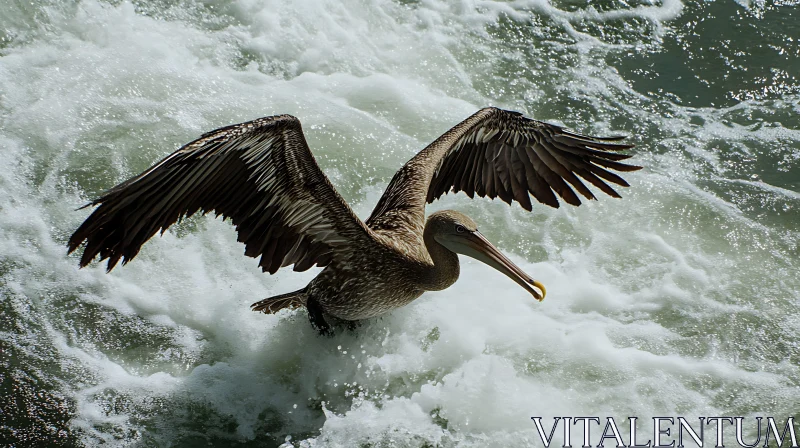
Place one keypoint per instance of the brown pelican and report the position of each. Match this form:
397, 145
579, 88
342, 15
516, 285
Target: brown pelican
262, 175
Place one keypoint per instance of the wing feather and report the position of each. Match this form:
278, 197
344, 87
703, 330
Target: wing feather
260, 174
518, 181
500, 153
475, 159
548, 168
566, 161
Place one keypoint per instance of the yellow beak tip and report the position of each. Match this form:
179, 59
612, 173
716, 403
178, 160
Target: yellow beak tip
542, 288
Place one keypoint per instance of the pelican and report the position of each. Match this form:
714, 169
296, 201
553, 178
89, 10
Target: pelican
261, 174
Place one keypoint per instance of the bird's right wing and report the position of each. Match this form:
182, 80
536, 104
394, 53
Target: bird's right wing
260, 174
500, 153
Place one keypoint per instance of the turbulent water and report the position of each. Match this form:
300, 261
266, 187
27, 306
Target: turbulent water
681, 299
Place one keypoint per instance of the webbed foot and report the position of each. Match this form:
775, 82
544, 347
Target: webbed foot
317, 319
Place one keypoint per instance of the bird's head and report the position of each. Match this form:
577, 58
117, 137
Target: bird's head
458, 233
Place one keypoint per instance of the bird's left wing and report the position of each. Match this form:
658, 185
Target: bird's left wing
499, 153
260, 174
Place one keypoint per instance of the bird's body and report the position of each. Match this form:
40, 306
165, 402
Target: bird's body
360, 288
262, 176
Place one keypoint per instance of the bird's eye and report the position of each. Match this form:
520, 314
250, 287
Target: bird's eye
460, 229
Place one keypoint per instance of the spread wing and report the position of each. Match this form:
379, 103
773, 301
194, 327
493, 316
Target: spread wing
260, 174
499, 153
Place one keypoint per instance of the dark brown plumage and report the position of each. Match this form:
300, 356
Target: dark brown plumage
262, 175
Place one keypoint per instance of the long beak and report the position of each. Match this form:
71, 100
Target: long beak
475, 245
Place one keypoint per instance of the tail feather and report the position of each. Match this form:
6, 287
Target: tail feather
272, 305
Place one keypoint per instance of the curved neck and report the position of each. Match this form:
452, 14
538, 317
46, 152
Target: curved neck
445, 264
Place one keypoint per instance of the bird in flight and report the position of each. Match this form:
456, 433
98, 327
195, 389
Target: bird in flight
262, 176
